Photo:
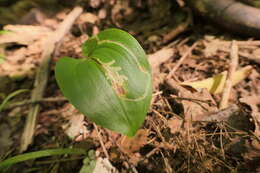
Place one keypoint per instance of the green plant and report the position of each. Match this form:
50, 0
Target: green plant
10, 96
4, 165
112, 85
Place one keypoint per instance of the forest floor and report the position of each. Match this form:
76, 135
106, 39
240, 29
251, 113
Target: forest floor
195, 123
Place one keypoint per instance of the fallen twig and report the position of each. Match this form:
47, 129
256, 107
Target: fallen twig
246, 43
230, 75
222, 115
42, 75
101, 141
244, 55
175, 86
28, 102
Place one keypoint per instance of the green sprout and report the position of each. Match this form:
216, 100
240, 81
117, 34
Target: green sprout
112, 85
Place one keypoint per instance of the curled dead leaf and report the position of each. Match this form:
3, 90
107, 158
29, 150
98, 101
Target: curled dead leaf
215, 84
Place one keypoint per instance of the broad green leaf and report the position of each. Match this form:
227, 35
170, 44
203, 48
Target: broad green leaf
112, 85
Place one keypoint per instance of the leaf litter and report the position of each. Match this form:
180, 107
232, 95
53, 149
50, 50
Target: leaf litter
174, 137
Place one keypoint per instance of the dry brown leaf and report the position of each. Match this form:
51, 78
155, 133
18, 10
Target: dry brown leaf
255, 82
22, 62
75, 124
103, 165
196, 104
256, 54
183, 49
159, 57
116, 12
256, 144
17, 64
208, 164
102, 13
88, 17
196, 108
175, 124
135, 158
212, 45
94, 3
131, 145
23, 34
250, 87
254, 102
155, 60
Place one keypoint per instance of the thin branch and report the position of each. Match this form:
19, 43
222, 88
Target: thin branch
184, 56
244, 55
101, 141
42, 75
28, 102
222, 115
230, 75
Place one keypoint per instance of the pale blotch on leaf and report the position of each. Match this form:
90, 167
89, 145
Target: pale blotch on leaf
112, 73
